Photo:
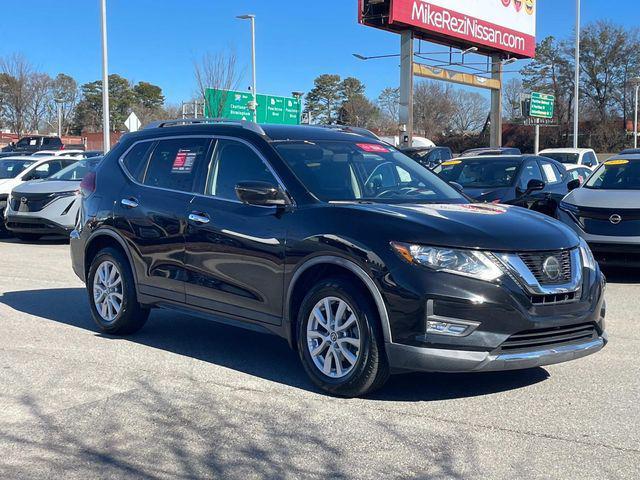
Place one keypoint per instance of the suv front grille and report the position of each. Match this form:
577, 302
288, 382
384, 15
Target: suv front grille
554, 299
31, 202
535, 263
547, 337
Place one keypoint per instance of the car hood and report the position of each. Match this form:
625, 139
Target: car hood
47, 186
482, 226
594, 198
5, 184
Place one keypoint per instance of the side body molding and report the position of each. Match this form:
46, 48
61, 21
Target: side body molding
359, 272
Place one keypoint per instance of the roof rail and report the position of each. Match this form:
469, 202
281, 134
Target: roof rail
254, 127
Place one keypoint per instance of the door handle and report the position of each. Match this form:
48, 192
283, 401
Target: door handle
198, 218
129, 202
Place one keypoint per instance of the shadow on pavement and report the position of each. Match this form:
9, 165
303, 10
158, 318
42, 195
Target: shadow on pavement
621, 275
46, 240
253, 353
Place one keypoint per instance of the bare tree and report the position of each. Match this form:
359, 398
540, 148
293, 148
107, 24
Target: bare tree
64, 89
15, 73
512, 91
216, 70
40, 98
470, 111
433, 107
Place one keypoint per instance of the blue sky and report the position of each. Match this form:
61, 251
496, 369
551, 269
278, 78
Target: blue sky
157, 40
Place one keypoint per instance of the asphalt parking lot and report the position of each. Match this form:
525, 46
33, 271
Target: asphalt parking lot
188, 398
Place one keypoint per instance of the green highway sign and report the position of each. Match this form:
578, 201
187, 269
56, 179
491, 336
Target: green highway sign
234, 105
541, 105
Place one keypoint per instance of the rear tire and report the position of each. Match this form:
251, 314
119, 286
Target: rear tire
112, 294
344, 353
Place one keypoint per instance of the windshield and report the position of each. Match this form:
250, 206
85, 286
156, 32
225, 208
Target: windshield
77, 170
12, 168
616, 175
348, 171
563, 157
488, 172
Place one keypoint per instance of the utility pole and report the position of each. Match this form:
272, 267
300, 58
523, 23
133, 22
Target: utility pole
59, 102
495, 131
105, 82
576, 92
405, 120
254, 92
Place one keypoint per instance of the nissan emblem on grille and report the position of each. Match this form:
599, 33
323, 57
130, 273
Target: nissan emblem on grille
615, 219
23, 199
551, 268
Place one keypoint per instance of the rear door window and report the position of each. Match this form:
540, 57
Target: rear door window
530, 171
174, 164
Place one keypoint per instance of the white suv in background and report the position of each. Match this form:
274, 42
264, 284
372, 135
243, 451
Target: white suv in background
577, 156
48, 206
16, 170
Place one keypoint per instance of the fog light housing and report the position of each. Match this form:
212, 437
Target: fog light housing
453, 327
446, 328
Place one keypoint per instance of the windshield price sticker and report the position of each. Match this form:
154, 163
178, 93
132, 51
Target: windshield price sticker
183, 163
372, 148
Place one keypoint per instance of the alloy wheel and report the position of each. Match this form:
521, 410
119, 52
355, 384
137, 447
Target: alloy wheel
333, 337
107, 291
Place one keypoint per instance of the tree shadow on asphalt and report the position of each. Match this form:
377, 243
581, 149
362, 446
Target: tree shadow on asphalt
257, 354
179, 430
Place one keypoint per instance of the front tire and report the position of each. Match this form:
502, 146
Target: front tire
112, 294
339, 339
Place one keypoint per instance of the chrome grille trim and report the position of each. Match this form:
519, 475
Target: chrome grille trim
518, 269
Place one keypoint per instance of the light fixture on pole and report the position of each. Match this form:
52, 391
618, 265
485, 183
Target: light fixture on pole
59, 102
469, 50
105, 81
636, 83
509, 61
254, 103
576, 91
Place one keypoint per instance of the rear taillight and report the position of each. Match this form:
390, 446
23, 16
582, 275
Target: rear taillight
88, 184
62, 147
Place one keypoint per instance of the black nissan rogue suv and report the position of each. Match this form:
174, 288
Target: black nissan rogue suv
363, 260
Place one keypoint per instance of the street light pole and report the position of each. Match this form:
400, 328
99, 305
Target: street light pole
576, 93
252, 18
105, 82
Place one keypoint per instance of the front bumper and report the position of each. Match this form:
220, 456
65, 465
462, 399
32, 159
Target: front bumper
35, 225
409, 358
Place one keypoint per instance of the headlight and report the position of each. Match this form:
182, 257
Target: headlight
587, 257
461, 262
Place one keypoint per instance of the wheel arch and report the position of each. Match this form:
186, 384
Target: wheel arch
328, 264
104, 238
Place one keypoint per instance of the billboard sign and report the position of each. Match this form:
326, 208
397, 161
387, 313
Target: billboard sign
234, 105
507, 26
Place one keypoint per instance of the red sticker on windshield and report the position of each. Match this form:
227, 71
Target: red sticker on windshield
372, 147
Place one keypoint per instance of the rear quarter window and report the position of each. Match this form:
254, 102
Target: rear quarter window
135, 160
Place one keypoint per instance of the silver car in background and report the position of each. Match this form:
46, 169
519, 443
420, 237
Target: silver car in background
49, 206
605, 211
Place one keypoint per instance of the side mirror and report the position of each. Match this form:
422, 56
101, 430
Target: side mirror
534, 185
457, 186
573, 184
261, 194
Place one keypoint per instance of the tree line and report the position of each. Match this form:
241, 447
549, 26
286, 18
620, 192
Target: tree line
29, 100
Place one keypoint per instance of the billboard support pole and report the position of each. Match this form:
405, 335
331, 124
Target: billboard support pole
405, 120
536, 142
495, 139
